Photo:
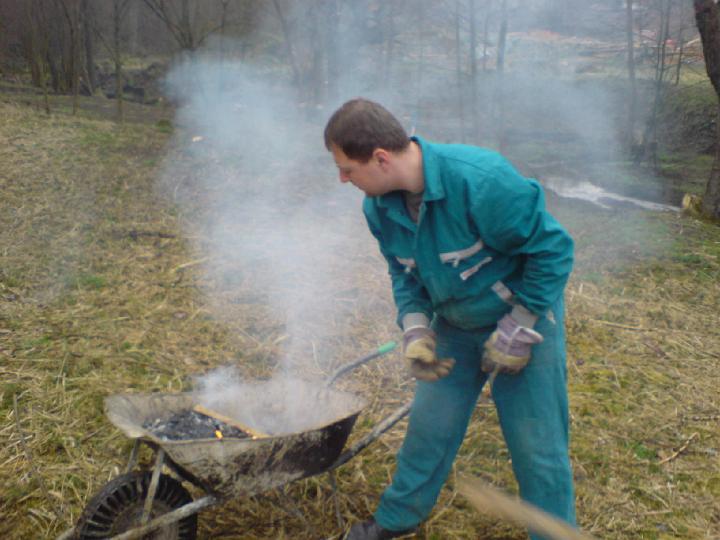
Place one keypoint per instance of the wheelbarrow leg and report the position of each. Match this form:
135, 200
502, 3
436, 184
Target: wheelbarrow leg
132, 461
167, 519
152, 488
336, 503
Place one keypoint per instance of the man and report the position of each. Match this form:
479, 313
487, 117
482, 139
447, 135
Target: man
478, 270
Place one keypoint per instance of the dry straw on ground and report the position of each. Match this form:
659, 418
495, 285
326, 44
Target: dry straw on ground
101, 292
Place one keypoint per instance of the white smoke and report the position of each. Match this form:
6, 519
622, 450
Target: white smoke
279, 406
277, 234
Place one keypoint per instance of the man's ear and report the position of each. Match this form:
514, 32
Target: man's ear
382, 156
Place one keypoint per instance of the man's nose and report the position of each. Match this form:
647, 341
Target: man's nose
344, 178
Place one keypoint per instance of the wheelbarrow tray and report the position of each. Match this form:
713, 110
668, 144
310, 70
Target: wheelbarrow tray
231, 467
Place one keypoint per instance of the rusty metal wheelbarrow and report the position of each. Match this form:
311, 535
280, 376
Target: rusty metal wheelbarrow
156, 504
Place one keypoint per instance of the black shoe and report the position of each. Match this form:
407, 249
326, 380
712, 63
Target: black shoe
369, 530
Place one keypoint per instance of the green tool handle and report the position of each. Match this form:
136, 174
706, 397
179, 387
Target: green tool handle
382, 349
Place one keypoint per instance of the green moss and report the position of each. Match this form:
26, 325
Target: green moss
712, 485
89, 281
164, 126
37, 342
9, 391
641, 451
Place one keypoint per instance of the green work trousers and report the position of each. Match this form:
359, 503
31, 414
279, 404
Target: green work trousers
533, 410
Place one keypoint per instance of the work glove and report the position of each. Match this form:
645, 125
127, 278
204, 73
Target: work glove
508, 348
419, 351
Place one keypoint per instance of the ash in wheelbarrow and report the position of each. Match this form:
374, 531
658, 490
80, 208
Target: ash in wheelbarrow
225, 450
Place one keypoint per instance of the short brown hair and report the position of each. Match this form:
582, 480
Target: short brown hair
360, 126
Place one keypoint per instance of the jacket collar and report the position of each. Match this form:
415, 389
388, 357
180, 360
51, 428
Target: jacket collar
434, 190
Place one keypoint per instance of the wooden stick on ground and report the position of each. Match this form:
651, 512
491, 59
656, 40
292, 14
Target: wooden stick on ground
489, 500
680, 450
229, 421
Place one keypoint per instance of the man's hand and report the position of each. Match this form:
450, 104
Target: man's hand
508, 347
419, 351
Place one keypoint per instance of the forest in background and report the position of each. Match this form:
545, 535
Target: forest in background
620, 85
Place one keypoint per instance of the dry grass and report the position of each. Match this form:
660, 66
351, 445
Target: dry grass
97, 297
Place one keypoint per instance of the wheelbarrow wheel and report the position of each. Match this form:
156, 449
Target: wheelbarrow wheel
118, 508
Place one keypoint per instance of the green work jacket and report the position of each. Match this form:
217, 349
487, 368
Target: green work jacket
483, 244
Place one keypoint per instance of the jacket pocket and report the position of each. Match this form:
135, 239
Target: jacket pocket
461, 265
454, 257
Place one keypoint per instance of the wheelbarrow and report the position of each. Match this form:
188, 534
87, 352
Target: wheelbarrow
153, 503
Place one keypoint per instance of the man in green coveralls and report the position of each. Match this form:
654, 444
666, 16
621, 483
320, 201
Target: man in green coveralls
478, 270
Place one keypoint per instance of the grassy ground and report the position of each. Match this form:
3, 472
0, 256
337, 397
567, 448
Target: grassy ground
100, 294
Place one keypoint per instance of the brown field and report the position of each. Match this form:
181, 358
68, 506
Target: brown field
102, 291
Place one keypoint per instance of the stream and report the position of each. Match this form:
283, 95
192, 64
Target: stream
587, 191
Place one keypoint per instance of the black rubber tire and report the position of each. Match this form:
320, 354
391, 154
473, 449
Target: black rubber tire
118, 506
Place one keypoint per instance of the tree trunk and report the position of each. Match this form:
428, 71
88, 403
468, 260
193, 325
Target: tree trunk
632, 104
459, 72
180, 26
118, 13
679, 60
89, 47
37, 49
331, 46
71, 11
288, 46
707, 17
388, 36
55, 78
76, 62
420, 46
317, 54
502, 37
649, 148
499, 78
486, 33
185, 28
473, 74
223, 22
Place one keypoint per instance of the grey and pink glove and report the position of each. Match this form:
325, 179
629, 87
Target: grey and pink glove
419, 351
508, 348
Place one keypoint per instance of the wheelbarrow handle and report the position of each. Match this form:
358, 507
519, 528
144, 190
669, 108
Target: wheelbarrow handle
382, 349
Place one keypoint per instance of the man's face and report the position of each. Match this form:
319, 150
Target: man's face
371, 177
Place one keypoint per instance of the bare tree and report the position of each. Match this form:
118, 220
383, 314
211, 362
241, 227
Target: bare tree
114, 47
474, 112
680, 51
287, 42
87, 13
189, 27
120, 8
648, 149
36, 45
500, 76
332, 31
387, 21
486, 33
459, 72
707, 17
632, 102
72, 14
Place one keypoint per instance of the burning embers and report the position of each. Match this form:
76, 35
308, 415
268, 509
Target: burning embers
189, 424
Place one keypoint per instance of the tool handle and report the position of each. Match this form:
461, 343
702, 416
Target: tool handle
490, 500
382, 349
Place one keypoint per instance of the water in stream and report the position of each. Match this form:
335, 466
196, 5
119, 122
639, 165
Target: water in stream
587, 191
